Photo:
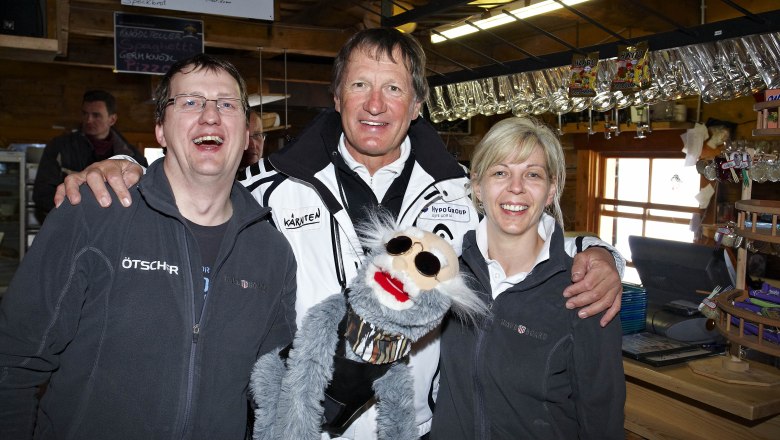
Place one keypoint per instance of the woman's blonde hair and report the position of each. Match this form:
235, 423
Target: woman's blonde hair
512, 140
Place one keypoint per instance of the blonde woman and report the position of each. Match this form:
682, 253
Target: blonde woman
533, 369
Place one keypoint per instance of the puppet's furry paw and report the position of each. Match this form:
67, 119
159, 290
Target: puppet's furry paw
309, 369
395, 406
265, 385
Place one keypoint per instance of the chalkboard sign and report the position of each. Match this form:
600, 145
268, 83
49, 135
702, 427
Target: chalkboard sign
151, 44
259, 9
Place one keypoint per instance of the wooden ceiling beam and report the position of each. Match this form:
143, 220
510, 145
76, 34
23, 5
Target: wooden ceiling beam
296, 72
559, 23
710, 32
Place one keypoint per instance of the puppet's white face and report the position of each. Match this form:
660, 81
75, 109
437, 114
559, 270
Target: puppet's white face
414, 261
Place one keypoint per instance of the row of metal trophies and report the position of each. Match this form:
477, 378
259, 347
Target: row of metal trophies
742, 160
723, 70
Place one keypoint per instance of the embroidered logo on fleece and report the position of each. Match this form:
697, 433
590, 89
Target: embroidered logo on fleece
244, 284
524, 330
446, 211
302, 218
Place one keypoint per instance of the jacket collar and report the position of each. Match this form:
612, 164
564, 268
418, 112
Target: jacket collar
156, 191
472, 258
313, 149
120, 144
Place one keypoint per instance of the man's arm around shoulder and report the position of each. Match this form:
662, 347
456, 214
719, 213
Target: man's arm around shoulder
120, 173
596, 274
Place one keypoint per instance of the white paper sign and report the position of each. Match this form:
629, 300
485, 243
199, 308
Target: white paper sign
259, 9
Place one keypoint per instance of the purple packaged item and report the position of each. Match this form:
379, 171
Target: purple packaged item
752, 329
760, 294
747, 306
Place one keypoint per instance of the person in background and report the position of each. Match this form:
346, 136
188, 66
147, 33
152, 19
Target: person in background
254, 151
531, 369
146, 321
371, 152
97, 139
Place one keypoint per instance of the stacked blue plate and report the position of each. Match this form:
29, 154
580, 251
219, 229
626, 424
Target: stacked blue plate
633, 308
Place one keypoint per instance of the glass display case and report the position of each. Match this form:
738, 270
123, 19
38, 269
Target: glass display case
12, 214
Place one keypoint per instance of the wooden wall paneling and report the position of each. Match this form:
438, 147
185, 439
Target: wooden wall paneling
89, 52
97, 19
38, 102
569, 195
62, 21
739, 111
657, 141
720, 10
51, 24
585, 190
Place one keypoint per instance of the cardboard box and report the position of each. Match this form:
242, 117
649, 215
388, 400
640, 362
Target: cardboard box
771, 94
772, 114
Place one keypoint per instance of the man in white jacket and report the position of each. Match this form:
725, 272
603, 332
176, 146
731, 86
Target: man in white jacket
373, 152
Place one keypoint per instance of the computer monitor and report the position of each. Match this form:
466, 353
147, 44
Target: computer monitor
673, 270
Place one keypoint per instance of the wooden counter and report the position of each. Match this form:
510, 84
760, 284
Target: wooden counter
675, 403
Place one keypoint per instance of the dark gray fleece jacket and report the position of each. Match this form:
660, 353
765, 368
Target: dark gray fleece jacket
532, 369
103, 308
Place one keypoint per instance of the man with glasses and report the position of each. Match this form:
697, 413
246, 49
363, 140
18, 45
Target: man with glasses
95, 140
146, 321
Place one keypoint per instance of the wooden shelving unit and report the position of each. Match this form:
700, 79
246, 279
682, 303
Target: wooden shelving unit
744, 327
754, 208
733, 323
276, 128
28, 48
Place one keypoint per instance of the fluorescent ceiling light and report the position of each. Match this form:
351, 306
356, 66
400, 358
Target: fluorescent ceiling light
495, 17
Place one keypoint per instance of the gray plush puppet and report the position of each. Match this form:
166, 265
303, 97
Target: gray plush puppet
353, 346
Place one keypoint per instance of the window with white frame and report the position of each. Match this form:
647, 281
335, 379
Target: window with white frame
647, 196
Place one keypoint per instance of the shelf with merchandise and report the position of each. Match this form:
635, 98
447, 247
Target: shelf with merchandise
741, 319
744, 327
753, 228
740, 326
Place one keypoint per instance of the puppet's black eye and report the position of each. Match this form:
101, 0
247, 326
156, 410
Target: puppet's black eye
427, 264
399, 245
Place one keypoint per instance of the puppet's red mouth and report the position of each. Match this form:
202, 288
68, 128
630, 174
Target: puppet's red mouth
391, 285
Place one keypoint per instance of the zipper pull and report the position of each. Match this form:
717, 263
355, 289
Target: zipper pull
195, 333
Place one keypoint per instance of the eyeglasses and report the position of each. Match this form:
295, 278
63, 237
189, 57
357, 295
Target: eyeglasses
196, 104
258, 136
425, 262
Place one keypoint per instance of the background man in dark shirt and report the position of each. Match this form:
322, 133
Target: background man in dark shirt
97, 139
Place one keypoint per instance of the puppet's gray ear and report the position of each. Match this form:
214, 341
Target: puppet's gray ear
376, 230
